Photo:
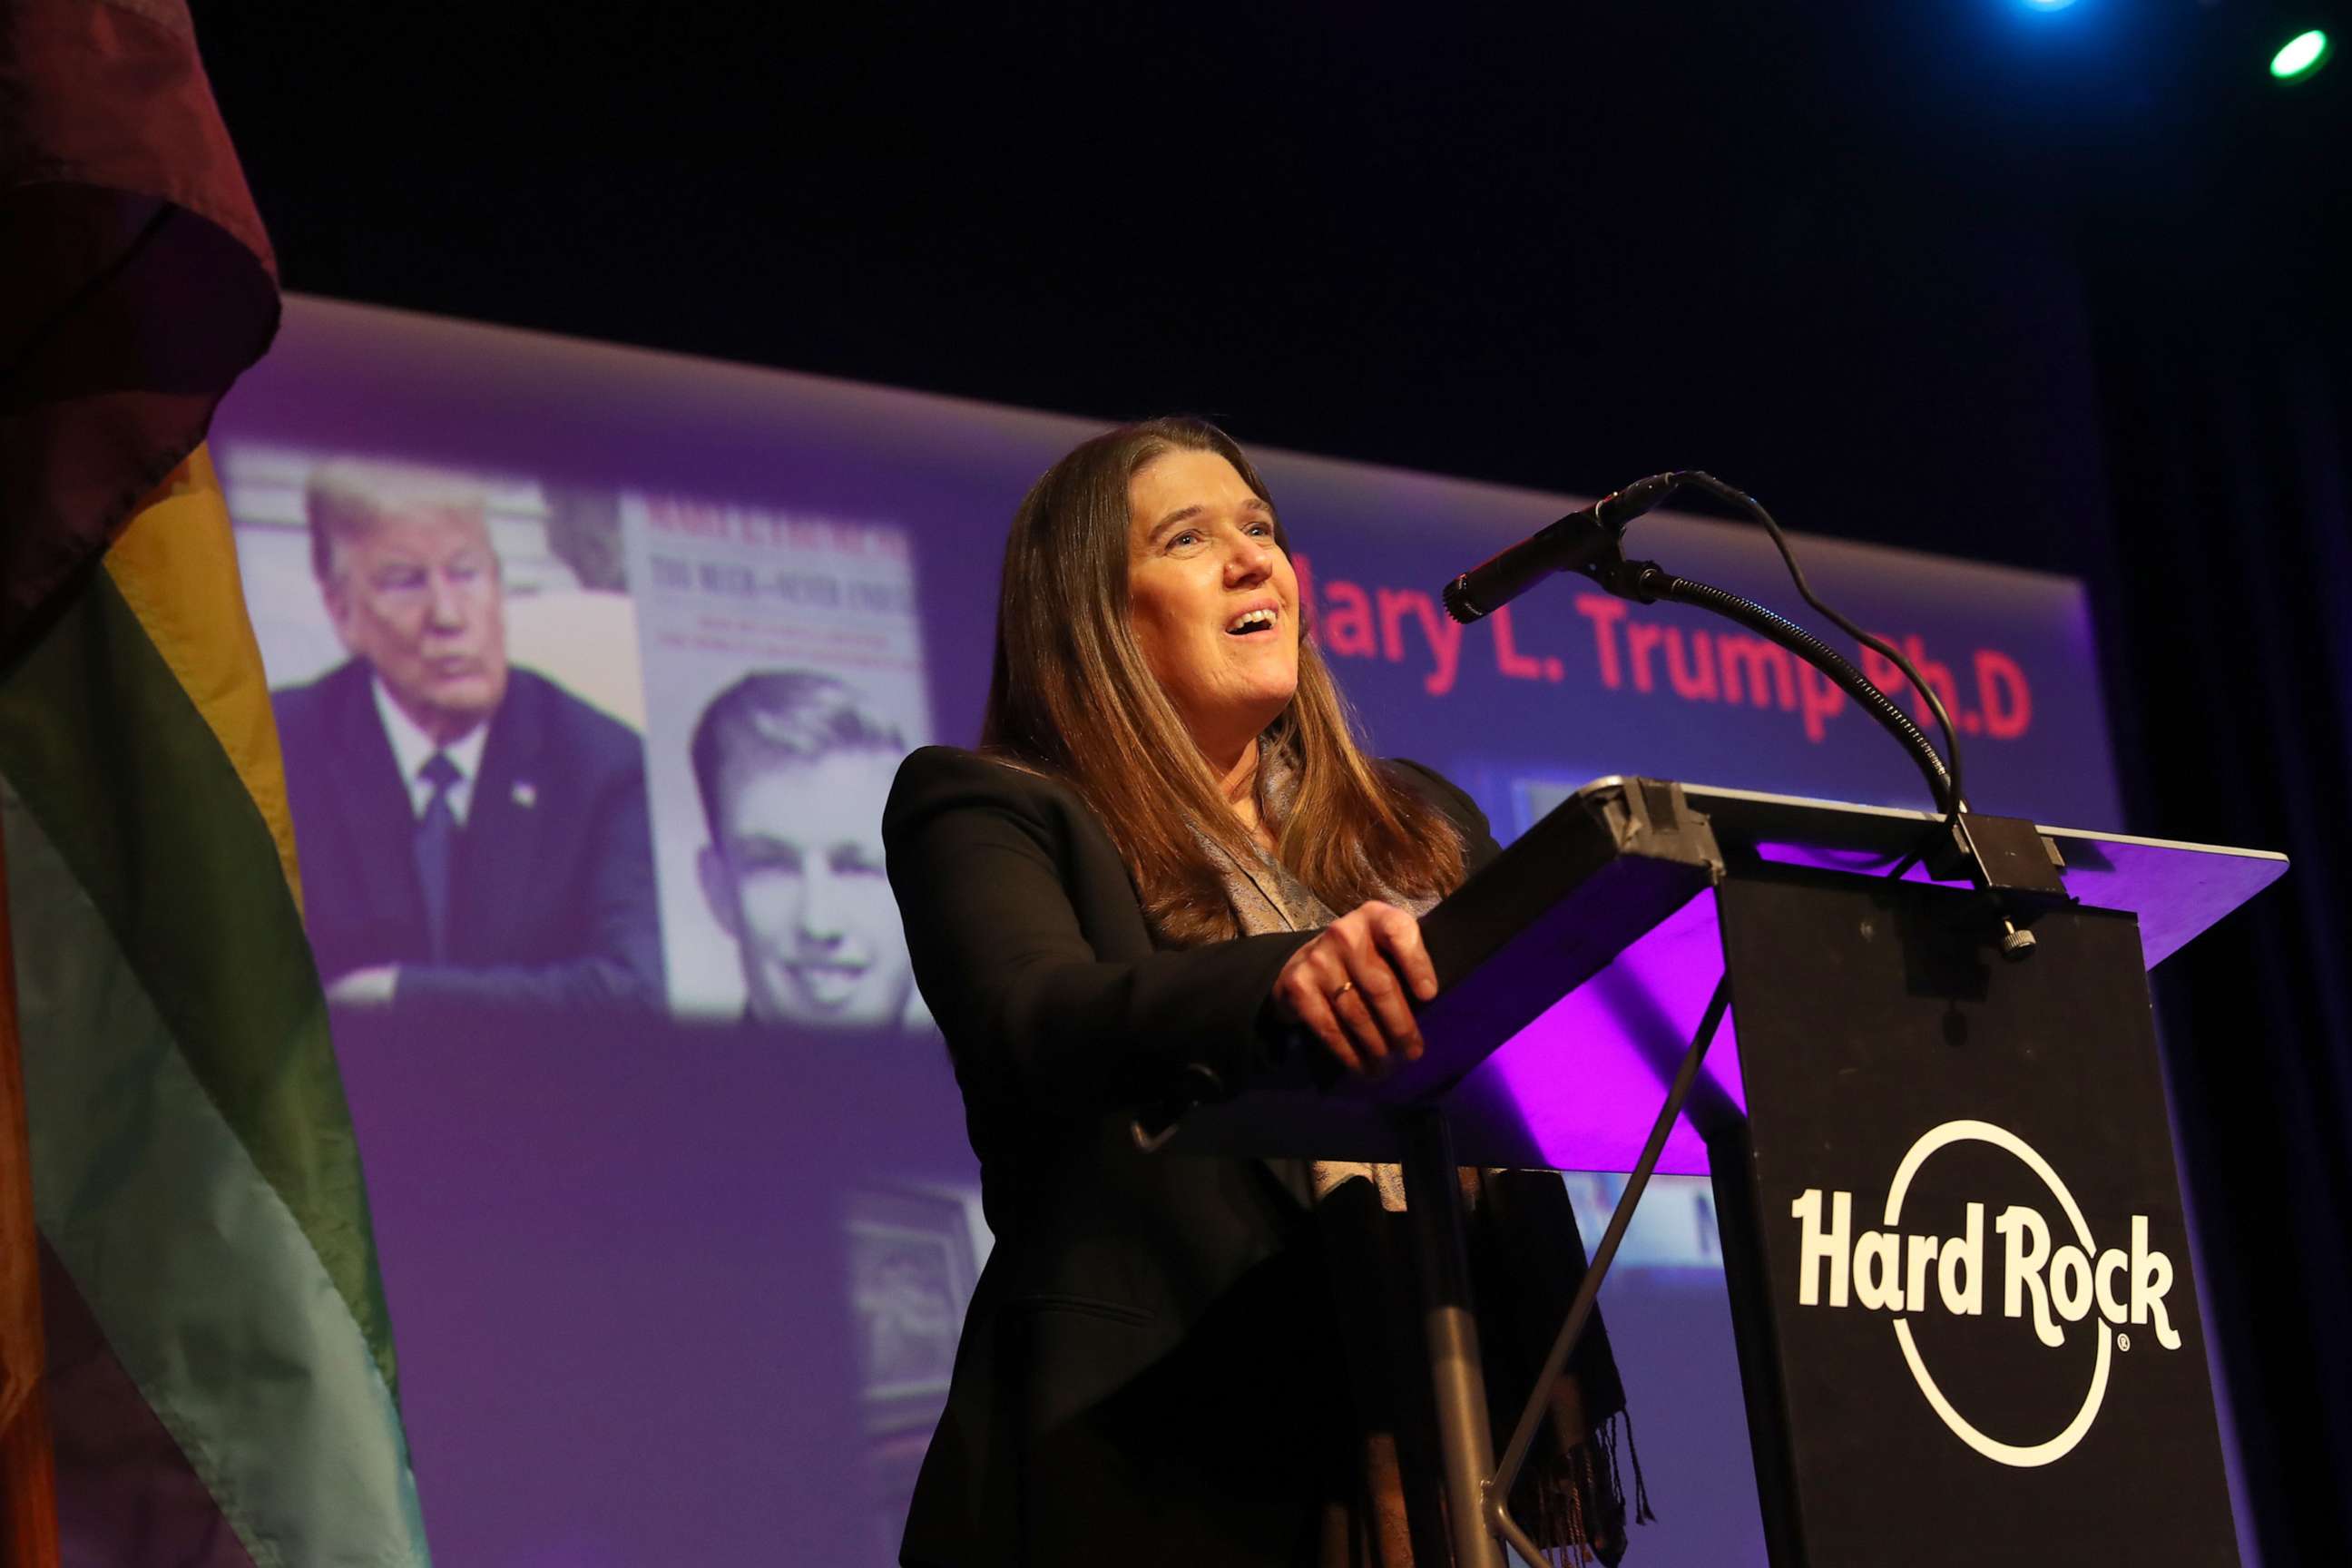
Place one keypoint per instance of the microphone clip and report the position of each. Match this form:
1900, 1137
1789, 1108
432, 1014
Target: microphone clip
1644, 582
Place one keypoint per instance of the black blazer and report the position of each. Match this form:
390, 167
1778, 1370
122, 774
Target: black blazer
551, 892
1147, 1361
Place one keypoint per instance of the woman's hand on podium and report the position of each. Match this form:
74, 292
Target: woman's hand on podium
1352, 987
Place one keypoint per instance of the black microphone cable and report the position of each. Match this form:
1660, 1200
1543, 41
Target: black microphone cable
1953, 802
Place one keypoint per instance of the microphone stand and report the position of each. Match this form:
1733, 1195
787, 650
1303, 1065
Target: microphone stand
2025, 866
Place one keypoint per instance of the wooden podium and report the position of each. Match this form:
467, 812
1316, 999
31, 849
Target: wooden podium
1951, 1222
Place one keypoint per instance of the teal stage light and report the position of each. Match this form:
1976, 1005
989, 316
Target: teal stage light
2300, 55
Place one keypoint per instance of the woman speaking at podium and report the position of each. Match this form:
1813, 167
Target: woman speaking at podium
1169, 860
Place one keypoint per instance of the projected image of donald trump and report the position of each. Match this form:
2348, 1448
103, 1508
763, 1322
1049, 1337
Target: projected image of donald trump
473, 835
792, 769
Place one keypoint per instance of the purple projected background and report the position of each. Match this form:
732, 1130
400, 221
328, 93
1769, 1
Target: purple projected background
678, 1291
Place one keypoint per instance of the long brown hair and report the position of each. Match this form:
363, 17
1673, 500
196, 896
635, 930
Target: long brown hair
1071, 697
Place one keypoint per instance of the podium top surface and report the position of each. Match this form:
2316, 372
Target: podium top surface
1576, 966
2178, 890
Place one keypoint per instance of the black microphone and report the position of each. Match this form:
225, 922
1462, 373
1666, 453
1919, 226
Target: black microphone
1567, 545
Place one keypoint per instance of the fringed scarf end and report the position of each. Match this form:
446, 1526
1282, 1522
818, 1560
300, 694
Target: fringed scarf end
1641, 1514
1579, 1503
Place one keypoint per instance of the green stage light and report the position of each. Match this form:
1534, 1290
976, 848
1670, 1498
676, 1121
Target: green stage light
2302, 55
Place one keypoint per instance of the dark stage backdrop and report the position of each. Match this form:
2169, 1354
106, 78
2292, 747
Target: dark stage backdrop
673, 1289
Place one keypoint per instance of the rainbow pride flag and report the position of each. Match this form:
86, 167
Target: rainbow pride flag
219, 1348
200, 1326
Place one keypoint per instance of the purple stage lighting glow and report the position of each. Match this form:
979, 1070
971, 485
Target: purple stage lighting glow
1585, 1079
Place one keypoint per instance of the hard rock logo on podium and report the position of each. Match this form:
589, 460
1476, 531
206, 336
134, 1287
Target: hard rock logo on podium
1904, 1274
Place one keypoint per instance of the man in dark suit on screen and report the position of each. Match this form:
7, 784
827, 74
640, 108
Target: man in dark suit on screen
472, 836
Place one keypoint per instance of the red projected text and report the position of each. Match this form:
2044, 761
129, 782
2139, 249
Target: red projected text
1986, 692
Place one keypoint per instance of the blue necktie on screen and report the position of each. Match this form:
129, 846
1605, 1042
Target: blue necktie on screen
436, 842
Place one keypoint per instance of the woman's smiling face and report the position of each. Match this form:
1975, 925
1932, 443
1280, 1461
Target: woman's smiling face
1212, 598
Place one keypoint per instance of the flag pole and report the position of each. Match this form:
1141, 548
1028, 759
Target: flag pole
28, 1509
